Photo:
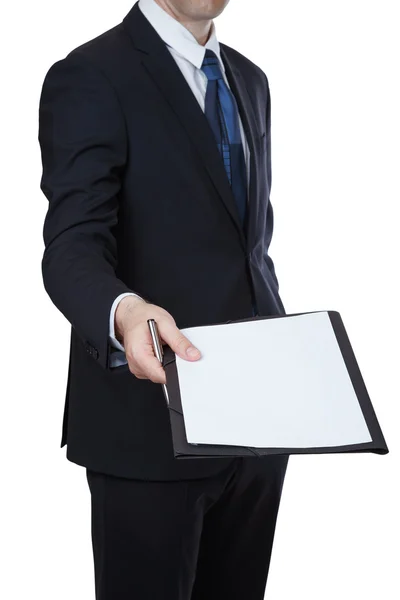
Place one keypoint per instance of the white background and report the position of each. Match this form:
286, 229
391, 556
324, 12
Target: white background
333, 69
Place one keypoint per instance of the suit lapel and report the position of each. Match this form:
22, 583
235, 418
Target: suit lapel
240, 91
166, 74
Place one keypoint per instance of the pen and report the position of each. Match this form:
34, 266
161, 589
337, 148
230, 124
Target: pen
158, 349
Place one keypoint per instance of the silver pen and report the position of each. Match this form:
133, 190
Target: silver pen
158, 349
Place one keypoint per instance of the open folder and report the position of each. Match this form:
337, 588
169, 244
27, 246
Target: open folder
270, 385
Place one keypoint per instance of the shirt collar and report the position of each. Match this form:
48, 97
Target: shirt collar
175, 35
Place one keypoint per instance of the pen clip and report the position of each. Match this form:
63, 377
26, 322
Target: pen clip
158, 349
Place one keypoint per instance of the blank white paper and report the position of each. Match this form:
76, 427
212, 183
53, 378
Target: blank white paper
278, 382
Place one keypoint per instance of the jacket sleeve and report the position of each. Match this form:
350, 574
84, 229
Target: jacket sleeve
83, 146
269, 225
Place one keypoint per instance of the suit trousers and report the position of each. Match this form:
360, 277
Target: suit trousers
204, 539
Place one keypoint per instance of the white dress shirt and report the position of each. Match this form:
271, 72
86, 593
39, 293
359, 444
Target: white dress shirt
189, 56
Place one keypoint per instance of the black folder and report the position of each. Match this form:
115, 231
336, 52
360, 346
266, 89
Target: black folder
183, 449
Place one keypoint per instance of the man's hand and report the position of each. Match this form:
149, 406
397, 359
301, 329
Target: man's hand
133, 332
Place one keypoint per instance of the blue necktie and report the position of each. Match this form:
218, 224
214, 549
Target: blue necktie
222, 113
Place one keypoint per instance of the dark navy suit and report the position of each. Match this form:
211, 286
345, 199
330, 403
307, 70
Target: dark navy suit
139, 201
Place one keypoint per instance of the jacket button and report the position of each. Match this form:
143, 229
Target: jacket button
91, 350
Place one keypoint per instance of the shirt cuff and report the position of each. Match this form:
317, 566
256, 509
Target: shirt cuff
111, 337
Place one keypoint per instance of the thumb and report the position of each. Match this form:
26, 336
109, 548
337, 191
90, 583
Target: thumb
178, 342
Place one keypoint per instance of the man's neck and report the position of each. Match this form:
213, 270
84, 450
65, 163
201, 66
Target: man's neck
199, 29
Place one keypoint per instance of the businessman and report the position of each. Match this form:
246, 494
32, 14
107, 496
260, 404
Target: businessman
156, 152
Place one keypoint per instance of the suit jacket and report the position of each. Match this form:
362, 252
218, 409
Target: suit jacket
139, 201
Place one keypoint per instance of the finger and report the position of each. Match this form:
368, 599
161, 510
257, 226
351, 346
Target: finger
149, 365
177, 341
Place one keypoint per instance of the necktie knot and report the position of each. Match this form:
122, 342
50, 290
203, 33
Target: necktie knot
211, 66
